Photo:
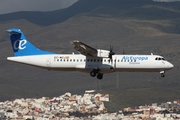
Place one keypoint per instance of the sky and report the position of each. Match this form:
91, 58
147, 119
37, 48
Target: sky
8, 6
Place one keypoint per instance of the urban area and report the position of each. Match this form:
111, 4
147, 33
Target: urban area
89, 106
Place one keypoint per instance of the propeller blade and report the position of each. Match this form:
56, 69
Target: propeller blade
111, 53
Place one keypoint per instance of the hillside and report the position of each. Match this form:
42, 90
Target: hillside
142, 27
141, 9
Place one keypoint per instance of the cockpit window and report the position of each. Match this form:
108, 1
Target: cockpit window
159, 58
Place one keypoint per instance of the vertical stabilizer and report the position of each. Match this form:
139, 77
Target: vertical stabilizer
21, 46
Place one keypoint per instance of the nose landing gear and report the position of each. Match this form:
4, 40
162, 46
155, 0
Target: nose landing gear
162, 73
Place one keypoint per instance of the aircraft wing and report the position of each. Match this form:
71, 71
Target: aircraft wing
84, 49
90, 51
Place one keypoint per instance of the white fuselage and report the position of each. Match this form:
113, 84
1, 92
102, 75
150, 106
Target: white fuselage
78, 62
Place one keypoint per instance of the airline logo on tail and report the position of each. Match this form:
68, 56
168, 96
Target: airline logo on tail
19, 44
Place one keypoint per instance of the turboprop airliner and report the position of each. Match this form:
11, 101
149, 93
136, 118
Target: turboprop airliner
96, 62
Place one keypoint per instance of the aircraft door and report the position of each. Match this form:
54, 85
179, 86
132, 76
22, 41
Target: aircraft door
48, 62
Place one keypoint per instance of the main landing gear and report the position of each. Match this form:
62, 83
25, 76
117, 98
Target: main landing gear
162, 73
95, 72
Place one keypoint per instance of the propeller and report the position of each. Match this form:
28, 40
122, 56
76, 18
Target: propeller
111, 53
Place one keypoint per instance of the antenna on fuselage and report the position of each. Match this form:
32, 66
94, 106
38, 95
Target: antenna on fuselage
123, 52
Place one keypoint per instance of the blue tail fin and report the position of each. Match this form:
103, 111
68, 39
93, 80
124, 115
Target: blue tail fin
21, 46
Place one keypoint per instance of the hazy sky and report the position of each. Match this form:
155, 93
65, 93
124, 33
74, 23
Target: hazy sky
8, 6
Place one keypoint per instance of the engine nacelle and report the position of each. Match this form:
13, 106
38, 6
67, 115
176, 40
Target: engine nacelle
102, 53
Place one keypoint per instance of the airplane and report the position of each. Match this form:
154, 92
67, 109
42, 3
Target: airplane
96, 62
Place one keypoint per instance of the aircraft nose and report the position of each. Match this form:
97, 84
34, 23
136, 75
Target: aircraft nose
171, 65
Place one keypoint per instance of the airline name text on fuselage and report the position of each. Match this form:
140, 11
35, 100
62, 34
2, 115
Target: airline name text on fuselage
134, 58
